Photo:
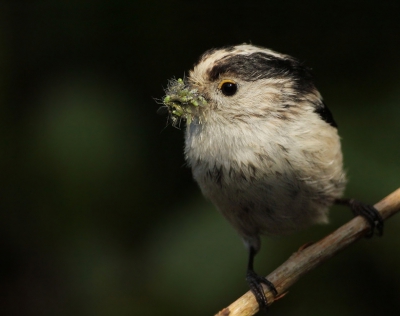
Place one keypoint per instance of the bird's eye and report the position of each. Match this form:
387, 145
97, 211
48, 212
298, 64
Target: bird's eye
228, 87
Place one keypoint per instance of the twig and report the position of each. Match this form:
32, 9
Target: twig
312, 256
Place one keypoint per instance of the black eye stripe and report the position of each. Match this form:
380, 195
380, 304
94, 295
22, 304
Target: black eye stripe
261, 65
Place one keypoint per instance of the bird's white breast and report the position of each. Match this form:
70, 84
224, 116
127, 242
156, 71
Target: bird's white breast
267, 177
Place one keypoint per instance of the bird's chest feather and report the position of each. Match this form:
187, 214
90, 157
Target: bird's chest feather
236, 165
257, 177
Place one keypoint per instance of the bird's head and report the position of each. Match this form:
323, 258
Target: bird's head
241, 84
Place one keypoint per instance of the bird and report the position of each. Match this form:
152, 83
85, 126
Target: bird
262, 145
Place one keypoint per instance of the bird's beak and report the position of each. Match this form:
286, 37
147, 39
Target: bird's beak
180, 101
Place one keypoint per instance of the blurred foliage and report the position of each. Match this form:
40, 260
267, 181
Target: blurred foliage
100, 216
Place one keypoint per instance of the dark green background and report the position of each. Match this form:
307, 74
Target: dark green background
99, 215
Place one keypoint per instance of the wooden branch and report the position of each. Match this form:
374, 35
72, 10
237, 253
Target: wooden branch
308, 258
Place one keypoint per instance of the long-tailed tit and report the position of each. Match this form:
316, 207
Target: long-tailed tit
262, 145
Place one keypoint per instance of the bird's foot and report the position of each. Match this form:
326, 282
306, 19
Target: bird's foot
369, 212
255, 283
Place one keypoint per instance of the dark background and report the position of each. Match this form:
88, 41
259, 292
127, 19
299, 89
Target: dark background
99, 215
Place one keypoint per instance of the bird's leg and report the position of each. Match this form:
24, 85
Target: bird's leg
369, 212
255, 282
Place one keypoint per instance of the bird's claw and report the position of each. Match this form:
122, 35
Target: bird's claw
255, 283
371, 214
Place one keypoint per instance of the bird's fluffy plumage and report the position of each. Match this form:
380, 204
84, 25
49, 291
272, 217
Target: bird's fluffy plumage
269, 156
